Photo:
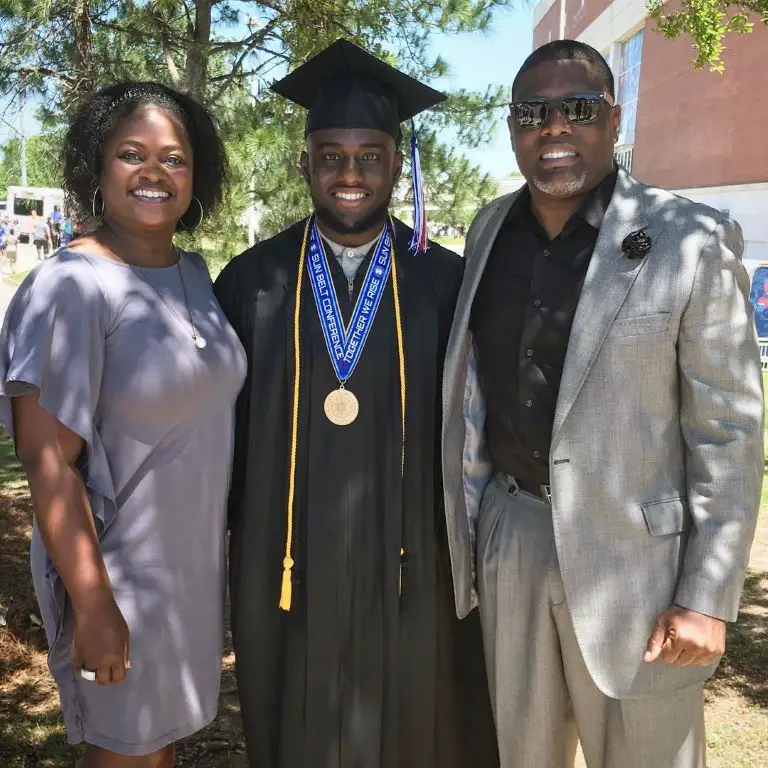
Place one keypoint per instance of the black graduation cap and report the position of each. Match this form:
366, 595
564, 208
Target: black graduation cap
344, 86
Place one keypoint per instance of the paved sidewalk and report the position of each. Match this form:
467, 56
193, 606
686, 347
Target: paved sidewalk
25, 260
7, 289
26, 257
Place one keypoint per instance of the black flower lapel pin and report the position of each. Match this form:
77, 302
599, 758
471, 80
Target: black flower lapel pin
636, 245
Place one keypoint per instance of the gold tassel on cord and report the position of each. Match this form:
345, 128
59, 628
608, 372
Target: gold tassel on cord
286, 589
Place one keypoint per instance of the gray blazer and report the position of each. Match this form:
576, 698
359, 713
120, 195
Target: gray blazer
656, 462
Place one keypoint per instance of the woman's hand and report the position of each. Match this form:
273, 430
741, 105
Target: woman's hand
101, 640
49, 451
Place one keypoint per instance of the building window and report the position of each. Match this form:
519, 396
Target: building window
628, 86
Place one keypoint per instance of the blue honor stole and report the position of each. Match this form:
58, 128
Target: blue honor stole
345, 343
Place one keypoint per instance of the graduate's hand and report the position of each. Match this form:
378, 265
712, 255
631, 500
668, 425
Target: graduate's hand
686, 638
101, 640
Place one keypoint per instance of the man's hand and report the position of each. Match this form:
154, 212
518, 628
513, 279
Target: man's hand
686, 638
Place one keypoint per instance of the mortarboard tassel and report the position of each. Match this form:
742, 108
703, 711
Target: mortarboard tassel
419, 240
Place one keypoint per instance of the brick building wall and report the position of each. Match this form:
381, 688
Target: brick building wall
696, 132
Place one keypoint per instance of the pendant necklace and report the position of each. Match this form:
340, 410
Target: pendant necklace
198, 340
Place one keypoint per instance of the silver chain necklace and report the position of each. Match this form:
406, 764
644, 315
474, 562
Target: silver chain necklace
199, 340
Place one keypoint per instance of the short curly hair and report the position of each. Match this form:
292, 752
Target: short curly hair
98, 117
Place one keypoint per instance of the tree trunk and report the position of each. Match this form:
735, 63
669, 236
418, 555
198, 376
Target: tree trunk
197, 51
82, 64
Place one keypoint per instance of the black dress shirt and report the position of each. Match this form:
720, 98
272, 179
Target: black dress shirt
521, 322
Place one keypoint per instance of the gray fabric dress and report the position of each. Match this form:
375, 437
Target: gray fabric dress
113, 364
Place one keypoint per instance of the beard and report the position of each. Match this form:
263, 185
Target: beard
350, 225
562, 188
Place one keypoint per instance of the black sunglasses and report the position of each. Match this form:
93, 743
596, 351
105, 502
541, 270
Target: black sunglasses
578, 108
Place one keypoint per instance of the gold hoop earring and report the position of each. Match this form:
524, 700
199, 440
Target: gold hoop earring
199, 221
93, 204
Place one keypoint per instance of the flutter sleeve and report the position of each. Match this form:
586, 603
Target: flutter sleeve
53, 343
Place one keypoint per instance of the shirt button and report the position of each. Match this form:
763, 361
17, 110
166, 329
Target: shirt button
349, 253
529, 352
546, 254
529, 403
537, 303
536, 455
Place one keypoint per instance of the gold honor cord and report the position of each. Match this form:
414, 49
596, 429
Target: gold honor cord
286, 588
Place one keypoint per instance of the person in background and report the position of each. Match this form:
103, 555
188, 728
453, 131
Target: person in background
603, 438
118, 379
67, 230
52, 238
11, 249
25, 228
53, 233
56, 218
41, 235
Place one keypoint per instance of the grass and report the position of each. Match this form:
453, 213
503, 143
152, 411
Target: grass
30, 727
449, 240
32, 735
18, 277
11, 476
737, 696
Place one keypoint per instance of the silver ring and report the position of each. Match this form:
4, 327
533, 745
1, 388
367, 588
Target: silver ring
88, 674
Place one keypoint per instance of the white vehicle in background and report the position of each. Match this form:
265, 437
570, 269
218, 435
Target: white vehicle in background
23, 200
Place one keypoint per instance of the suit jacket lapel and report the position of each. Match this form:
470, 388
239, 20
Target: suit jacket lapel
606, 285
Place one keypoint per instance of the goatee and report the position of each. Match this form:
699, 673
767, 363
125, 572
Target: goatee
562, 188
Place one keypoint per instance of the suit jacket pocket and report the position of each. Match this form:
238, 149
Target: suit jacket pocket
668, 517
641, 325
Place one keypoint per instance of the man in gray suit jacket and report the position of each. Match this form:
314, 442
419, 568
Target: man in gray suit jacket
602, 442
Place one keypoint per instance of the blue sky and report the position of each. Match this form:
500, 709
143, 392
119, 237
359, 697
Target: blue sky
491, 57
488, 58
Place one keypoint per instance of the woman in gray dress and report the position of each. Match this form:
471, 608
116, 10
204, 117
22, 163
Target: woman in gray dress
118, 378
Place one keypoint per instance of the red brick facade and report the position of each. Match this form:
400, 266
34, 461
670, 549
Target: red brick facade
549, 27
694, 128
699, 128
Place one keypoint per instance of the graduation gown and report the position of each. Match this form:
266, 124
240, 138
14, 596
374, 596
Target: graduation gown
370, 668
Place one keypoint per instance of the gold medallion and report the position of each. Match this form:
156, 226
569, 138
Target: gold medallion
341, 407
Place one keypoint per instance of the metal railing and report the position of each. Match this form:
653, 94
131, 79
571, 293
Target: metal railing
624, 157
763, 343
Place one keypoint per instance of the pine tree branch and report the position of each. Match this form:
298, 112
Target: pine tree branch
238, 66
39, 72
